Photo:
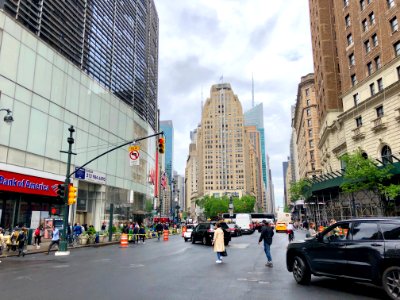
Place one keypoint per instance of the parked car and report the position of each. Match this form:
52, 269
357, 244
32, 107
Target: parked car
204, 232
234, 229
280, 227
187, 235
358, 249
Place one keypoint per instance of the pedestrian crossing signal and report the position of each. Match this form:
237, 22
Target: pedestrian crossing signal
72, 192
161, 145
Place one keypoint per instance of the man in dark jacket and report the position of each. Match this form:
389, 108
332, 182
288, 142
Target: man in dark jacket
266, 234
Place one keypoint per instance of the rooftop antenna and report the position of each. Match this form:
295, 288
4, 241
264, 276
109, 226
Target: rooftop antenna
252, 90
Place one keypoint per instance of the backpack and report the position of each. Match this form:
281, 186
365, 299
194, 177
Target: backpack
37, 232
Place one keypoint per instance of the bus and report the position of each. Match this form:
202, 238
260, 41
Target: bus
259, 217
228, 219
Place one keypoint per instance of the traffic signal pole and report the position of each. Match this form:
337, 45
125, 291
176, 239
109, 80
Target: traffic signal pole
70, 140
64, 240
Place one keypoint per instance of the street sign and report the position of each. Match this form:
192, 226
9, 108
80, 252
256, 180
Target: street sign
134, 148
134, 158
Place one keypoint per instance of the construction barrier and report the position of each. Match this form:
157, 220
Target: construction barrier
124, 241
166, 234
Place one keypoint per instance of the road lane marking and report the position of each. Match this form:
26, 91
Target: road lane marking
239, 246
61, 266
136, 265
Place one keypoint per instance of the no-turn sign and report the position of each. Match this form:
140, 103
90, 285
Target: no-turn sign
134, 158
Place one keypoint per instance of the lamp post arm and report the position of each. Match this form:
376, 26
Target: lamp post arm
115, 148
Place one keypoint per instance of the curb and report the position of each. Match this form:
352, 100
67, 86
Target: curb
44, 251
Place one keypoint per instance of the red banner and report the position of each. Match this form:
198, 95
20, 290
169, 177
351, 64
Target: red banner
26, 184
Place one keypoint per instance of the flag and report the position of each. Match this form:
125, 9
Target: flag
164, 181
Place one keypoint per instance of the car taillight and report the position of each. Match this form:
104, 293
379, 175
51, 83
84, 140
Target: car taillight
232, 229
210, 230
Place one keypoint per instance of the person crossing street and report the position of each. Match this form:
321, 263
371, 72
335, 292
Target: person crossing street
266, 234
55, 240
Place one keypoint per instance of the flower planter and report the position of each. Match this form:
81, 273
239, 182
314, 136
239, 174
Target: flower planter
102, 238
83, 240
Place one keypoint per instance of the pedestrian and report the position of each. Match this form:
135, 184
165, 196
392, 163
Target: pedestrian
136, 233
38, 237
218, 242
142, 233
55, 240
159, 229
103, 226
21, 241
77, 230
266, 234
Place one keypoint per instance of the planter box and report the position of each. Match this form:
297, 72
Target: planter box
83, 241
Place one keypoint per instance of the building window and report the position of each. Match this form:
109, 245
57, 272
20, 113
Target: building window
364, 25
377, 62
351, 60
397, 48
312, 155
380, 84
374, 40
372, 88
379, 111
371, 18
356, 99
307, 92
353, 79
394, 25
359, 121
367, 46
369, 68
311, 143
309, 132
362, 4
345, 3
309, 122
386, 154
347, 21
308, 111
308, 102
398, 72
390, 3
349, 39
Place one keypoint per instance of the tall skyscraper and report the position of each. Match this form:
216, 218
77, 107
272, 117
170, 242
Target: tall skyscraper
191, 175
115, 42
168, 128
87, 64
255, 116
285, 166
222, 147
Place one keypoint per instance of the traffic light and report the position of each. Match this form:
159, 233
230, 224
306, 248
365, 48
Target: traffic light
72, 194
61, 192
161, 145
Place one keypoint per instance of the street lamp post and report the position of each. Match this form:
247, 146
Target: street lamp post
231, 207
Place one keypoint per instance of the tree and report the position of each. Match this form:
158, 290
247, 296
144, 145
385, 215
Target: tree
149, 206
244, 204
363, 174
215, 206
299, 189
286, 209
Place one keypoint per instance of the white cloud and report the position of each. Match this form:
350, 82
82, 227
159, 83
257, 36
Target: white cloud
200, 40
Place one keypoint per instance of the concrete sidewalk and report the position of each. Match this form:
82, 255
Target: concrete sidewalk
44, 246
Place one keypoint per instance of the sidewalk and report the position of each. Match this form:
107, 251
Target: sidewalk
31, 249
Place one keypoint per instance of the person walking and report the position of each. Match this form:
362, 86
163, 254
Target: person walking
38, 237
218, 242
159, 230
55, 240
142, 233
266, 234
21, 241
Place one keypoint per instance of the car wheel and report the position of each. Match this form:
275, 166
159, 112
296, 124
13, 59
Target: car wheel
204, 240
186, 239
301, 272
193, 240
391, 282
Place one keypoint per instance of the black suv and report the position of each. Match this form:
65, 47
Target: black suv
359, 249
204, 232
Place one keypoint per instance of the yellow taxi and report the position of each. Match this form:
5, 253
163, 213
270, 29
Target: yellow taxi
280, 226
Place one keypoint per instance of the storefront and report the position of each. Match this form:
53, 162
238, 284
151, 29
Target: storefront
21, 194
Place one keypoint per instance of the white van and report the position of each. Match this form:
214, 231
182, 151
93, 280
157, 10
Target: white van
245, 222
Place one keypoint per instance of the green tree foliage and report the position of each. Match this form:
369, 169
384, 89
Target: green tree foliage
149, 205
300, 189
363, 174
214, 207
286, 209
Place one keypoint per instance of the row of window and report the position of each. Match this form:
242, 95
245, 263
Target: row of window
363, 3
379, 114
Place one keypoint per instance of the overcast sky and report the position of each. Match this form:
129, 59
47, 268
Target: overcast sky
201, 40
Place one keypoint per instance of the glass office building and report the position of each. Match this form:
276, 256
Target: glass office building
168, 128
114, 41
54, 75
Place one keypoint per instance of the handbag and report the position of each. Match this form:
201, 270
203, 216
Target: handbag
224, 253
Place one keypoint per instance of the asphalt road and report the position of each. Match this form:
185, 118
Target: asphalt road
168, 270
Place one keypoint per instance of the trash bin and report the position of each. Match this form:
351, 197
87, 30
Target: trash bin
30, 236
